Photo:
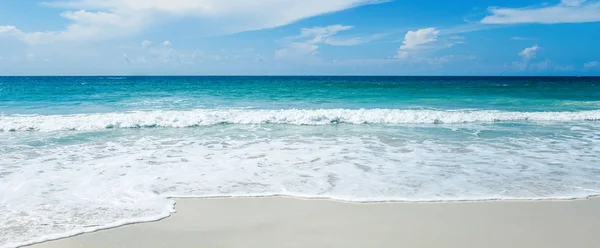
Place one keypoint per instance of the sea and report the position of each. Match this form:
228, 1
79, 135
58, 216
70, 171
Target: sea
79, 154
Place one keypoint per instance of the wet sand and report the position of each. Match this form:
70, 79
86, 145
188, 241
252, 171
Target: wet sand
289, 222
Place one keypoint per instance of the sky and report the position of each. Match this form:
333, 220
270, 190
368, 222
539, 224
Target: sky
300, 37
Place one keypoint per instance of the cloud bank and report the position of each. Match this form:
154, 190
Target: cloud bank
100, 19
309, 40
567, 11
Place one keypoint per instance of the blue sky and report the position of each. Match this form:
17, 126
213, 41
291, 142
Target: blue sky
299, 37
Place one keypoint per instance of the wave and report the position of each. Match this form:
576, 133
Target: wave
208, 117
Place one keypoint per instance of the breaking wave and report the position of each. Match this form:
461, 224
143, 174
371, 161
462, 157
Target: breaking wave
208, 117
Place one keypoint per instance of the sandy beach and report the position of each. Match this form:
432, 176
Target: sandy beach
290, 222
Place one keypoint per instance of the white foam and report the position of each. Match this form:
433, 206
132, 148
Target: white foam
83, 230
55, 191
206, 117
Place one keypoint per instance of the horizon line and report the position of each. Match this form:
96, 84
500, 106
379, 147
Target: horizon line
292, 75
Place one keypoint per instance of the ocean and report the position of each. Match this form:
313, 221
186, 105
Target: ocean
79, 154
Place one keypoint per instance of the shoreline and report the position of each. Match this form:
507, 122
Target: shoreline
309, 198
185, 206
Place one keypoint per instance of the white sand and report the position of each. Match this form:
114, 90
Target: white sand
288, 222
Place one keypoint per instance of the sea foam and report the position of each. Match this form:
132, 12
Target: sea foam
80, 182
208, 117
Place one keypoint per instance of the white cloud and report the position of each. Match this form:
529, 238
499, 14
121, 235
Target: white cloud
529, 52
414, 40
322, 33
84, 26
290, 10
9, 30
528, 56
572, 3
567, 11
418, 42
100, 19
167, 43
146, 43
592, 64
352, 41
345, 41
307, 43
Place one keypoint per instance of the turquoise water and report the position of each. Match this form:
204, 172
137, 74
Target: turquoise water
79, 154
68, 95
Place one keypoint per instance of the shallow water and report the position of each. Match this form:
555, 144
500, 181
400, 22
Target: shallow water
83, 153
